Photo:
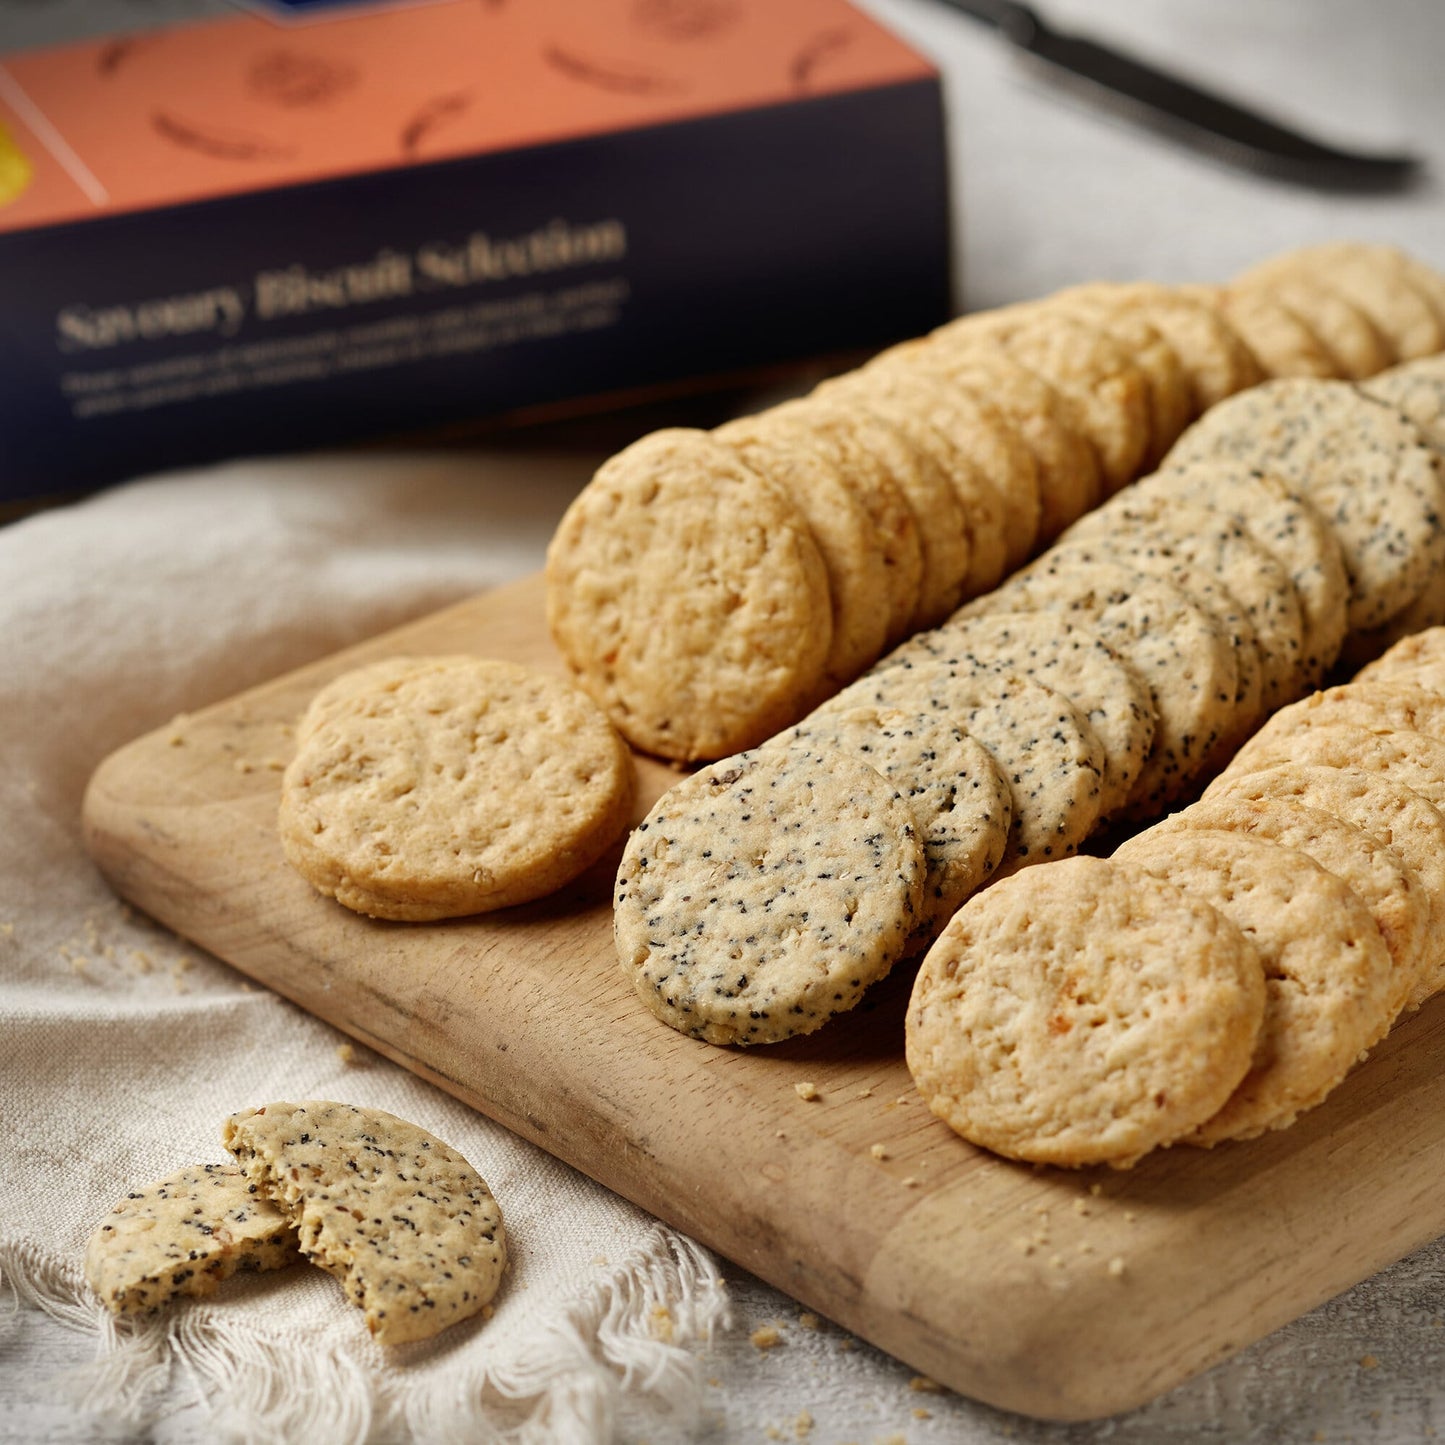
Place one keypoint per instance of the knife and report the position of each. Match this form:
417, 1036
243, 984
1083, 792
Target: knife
1182, 111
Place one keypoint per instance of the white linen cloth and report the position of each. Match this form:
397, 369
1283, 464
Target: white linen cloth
124, 1049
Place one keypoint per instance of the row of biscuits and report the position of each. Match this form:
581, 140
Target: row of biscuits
1227, 967
1110, 677
710, 588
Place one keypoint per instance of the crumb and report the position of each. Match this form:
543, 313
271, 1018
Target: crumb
809, 1321
185, 963
807, 1090
275, 765
878, 1151
1056, 1261
922, 1385
176, 740
766, 1337
909, 1182
919, 1413
78, 965
894, 1440
346, 1054
600, 1259
1024, 1246
864, 1094
773, 1433
803, 1425
1096, 1190
7, 930
662, 1324
1369, 1362
1129, 1216
847, 1344
243, 765
714, 1381
1116, 1266
488, 1311
903, 1099
182, 987
144, 963
1081, 1205
1085, 1247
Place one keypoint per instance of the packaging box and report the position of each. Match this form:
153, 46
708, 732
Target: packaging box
260, 232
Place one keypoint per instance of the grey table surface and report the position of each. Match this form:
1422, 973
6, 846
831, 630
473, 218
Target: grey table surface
1048, 191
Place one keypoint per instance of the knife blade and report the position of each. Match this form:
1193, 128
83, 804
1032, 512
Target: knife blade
1178, 108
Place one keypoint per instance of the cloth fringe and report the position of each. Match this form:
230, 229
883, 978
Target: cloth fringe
627, 1335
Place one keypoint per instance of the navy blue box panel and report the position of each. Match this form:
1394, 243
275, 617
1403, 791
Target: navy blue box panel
400, 301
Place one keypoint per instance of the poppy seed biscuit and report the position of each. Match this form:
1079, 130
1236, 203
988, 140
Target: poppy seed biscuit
1174, 644
1107, 692
400, 1218
455, 786
1363, 465
960, 802
688, 597
1375, 872
1328, 974
1221, 548
1083, 1013
183, 1235
763, 894
1045, 750
842, 529
1290, 529
1416, 389
1395, 814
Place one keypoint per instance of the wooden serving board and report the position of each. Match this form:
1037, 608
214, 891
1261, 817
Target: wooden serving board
991, 1277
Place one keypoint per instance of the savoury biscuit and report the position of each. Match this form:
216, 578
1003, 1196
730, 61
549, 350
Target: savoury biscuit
1280, 341
1382, 706
458, 786
927, 409
1376, 279
1220, 548
1418, 660
1170, 391
1083, 1013
1068, 466
867, 463
1364, 466
1328, 974
1375, 872
1290, 529
1215, 360
1174, 644
1347, 334
400, 1218
960, 803
1395, 814
1410, 758
183, 1235
688, 597
762, 895
1071, 659
986, 437
842, 529
1046, 751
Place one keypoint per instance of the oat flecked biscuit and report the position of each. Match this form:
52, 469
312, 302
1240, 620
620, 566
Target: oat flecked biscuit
400, 1218
452, 786
1375, 872
1083, 1013
1328, 974
688, 597
182, 1236
961, 804
764, 893
1417, 660
1367, 469
1403, 820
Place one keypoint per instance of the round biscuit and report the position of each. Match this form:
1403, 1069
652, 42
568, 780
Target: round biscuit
1359, 462
1377, 875
1417, 389
688, 597
1081, 1014
1071, 659
764, 893
1395, 814
961, 804
459, 786
1280, 341
842, 529
1327, 971
1418, 660
1349, 336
